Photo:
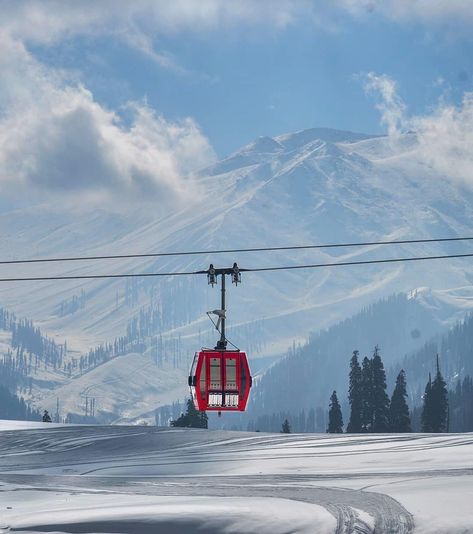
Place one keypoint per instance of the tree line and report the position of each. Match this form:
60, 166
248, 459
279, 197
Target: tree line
31, 346
192, 418
460, 402
371, 409
316, 364
15, 408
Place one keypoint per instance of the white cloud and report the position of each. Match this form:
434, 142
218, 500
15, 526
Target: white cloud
139, 21
54, 136
391, 106
444, 137
53, 20
56, 139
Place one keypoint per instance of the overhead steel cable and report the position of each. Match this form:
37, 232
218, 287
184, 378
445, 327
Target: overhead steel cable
255, 269
234, 250
359, 262
97, 276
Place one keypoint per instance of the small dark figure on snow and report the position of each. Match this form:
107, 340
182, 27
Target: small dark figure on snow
46, 417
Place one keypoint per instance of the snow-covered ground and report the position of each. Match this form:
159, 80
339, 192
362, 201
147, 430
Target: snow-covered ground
113, 479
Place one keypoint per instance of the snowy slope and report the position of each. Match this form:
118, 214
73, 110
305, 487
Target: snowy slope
139, 479
130, 385
313, 186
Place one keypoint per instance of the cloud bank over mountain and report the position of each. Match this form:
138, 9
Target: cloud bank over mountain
56, 138
444, 136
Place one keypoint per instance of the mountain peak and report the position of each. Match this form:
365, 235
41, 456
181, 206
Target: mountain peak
263, 144
295, 140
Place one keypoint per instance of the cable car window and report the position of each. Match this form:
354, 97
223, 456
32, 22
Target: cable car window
194, 364
230, 373
215, 374
243, 379
203, 380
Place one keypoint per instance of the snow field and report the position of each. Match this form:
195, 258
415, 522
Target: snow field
112, 479
98, 512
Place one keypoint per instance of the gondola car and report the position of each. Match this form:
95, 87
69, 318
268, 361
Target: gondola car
220, 380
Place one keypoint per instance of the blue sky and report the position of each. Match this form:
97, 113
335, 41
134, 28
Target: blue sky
245, 82
125, 99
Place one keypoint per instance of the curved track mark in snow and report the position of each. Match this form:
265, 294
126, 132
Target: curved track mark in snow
176, 462
389, 515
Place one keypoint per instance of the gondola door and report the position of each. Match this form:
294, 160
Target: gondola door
223, 381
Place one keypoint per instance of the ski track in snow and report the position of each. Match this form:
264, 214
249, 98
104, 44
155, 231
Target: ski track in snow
345, 484
117, 479
348, 477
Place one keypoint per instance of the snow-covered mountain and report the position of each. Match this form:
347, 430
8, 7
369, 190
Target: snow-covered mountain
315, 186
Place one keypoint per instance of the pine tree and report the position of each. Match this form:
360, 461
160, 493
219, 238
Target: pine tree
426, 417
439, 395
379, 396
192, 418
285, 428
366, 396
461, 406
355, 395
335, 420
204, 420
14, 407
399, 420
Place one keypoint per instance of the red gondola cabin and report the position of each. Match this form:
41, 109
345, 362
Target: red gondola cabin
220, 380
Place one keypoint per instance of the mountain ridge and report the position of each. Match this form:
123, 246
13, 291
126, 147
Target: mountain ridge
366, 189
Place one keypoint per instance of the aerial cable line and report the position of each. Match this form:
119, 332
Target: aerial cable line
96, 276
359, 262
255, 269
235, 250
